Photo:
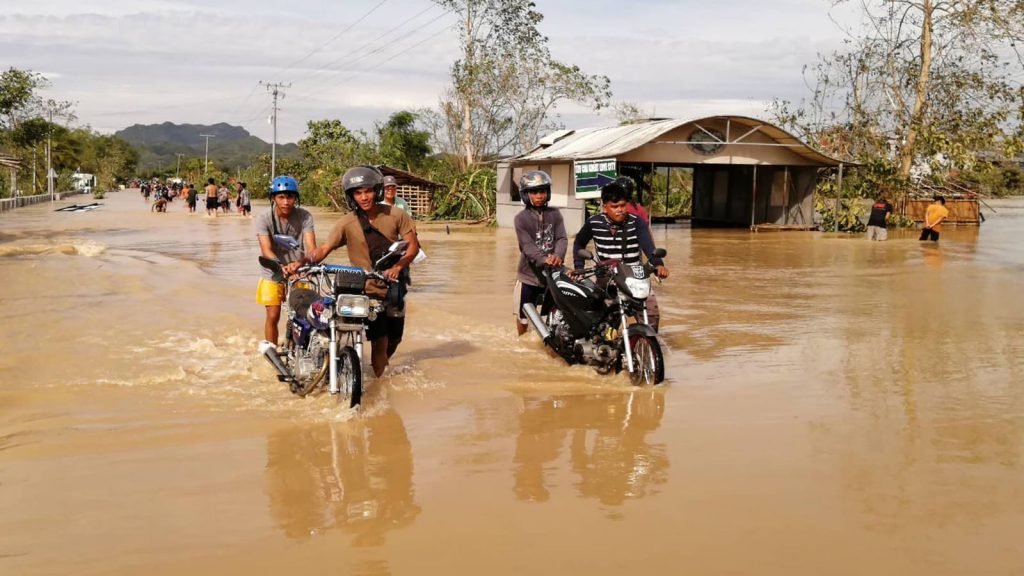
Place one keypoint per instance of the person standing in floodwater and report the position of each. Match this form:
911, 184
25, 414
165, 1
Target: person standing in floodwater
933, 217
879, 219
618, 235
367, 232
391, 197
211, 197
540, 231
244, 203
283, 232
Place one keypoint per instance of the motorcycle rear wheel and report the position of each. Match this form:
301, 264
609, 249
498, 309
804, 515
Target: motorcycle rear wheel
350, 377
648, 362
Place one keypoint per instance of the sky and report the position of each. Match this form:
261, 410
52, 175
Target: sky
202, 61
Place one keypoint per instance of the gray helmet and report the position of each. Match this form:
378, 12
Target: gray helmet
534, 180
362, 177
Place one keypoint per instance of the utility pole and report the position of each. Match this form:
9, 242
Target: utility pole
274, 88
49, 155
178, 167
206, 157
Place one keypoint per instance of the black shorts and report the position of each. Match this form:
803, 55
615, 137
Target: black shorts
527, 293
211, 203
388, 326
929, 234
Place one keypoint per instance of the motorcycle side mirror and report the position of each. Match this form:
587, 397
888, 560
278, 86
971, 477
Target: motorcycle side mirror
286, 241
660, 253
393, 255
274, 266
585, 254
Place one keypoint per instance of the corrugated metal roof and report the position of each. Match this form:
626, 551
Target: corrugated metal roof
612, 141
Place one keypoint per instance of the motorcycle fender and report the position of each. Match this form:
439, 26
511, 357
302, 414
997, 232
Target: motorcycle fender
641, 330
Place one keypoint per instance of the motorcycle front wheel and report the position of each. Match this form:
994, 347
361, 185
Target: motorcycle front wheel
350, 377
648, 362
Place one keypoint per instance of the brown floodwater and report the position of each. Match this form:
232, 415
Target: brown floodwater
832, 406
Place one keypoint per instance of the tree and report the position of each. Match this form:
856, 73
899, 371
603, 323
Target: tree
506, 84
400, 143
17, 95
926, 80
328, 151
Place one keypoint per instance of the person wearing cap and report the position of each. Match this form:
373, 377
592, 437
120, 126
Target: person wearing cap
391, 197
619, 235
933, 217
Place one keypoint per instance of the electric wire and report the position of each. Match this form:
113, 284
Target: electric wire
333, 38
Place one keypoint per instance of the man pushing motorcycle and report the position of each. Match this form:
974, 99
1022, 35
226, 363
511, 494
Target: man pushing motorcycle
283, 232
367, 232
618, 235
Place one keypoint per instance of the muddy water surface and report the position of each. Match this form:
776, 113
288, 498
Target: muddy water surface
833, 406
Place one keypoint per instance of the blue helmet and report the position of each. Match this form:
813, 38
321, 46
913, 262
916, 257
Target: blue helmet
284, 185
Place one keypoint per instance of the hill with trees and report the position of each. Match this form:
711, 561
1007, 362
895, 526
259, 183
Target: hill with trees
231, 146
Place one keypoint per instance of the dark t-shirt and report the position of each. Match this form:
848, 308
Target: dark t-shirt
878, 211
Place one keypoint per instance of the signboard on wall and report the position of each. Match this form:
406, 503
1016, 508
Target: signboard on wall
591, 175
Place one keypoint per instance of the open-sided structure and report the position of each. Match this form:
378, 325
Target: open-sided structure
745, 171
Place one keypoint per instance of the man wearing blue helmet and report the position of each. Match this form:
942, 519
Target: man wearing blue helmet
286, 234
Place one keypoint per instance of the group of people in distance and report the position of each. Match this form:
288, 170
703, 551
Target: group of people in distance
375, 221
219, 198
933, 218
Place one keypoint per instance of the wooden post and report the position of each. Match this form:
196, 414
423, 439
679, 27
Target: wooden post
839, 192
753, 198
785, 199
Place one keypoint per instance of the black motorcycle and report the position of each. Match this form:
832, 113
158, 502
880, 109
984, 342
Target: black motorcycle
588, 322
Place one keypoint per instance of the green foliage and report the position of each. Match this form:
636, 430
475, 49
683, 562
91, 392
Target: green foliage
469, 196
677, 185
506, 84
401, 144
17, 93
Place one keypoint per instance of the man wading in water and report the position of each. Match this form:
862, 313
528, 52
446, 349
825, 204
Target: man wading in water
292, 225
540, 231
367, 232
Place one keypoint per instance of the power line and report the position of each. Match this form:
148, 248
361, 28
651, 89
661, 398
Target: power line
356, 73
335, 37
374, 41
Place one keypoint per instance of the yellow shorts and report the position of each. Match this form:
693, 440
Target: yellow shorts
269, 293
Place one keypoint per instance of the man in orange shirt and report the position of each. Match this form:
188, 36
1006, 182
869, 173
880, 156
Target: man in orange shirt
933, 217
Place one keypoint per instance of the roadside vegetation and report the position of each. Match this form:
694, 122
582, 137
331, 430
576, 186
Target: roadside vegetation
924, 93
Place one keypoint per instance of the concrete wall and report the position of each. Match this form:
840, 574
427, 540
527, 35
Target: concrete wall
563, 188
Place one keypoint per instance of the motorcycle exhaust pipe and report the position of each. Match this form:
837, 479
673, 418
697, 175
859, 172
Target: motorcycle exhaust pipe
538, 324
269, 351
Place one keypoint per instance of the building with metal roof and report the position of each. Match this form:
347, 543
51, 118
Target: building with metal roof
745, 171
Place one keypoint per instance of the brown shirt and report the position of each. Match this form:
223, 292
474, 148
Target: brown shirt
392, 222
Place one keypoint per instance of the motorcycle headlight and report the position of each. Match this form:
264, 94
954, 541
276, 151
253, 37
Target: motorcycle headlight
353, 306
640, 289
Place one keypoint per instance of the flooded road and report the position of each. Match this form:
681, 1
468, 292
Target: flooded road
832, 406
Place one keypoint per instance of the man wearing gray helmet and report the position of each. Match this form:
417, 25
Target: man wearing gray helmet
540, 231
367, 232
391, 197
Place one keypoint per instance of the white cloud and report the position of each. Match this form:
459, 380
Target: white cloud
199, 61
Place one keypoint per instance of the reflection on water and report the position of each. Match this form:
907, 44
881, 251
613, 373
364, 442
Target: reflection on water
354, 476
607, 445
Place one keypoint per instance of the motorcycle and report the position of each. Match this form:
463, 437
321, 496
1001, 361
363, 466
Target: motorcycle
328, 312
586, 323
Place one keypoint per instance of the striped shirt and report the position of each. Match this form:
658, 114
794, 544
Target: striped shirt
623, 241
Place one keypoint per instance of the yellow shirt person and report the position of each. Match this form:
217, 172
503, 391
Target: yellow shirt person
933, 217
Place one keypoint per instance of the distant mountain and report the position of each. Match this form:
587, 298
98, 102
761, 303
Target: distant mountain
231, 146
